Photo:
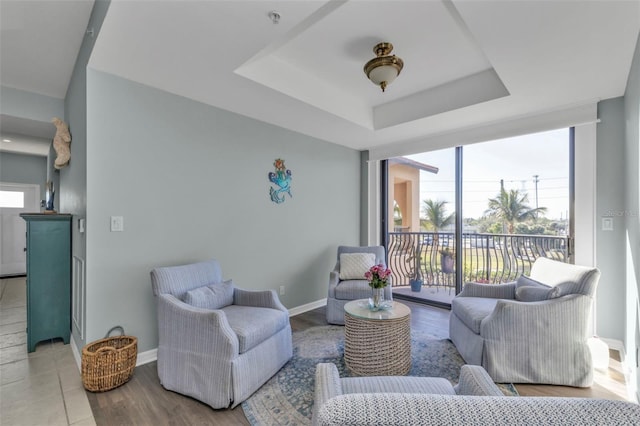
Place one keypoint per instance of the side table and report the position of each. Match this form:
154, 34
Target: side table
377, 343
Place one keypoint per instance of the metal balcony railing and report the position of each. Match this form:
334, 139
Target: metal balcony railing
488, 258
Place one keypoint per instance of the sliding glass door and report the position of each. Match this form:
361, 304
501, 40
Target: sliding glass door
516, 204
481, 212
421, 236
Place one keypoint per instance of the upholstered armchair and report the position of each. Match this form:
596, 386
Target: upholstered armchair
534, 330
217, 343
347, 282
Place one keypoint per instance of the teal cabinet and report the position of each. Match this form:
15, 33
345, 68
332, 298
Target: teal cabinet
48, 277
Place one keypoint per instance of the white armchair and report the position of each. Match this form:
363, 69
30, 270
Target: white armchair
217, 343
530, 331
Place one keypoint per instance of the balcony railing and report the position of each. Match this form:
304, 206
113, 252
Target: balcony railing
488, 258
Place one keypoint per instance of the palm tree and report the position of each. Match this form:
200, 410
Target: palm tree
435, 213
512, 207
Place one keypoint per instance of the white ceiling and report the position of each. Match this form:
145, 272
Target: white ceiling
467, 63
39, 43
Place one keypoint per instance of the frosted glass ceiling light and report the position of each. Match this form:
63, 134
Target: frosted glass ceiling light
385, 68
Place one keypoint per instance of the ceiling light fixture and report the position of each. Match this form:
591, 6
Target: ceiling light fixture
385, 68
6, 140
274, 16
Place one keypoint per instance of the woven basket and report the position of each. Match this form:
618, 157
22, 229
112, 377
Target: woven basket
108, 363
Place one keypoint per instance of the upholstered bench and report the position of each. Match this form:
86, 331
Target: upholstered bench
475, 400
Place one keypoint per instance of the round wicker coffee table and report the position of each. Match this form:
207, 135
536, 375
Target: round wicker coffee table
377, 343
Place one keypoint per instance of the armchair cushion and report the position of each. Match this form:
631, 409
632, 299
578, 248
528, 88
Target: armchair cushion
397, 384
252, 332
472, 310
525, 281
212, 296
352, 290
535, 294
354, 265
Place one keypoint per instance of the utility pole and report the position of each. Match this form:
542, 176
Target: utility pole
536, 180
504, 225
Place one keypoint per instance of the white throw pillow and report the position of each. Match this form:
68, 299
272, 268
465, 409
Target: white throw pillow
354, 265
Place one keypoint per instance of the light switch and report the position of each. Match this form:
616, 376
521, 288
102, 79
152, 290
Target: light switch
607, 224
81, 225
117, 223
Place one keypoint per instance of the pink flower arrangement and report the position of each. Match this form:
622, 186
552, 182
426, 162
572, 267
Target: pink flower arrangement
378, 276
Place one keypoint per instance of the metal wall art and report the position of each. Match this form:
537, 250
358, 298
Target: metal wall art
282, 178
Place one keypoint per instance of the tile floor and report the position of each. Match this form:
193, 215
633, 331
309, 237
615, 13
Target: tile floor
39, 388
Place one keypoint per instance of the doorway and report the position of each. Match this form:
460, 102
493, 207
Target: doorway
15, 198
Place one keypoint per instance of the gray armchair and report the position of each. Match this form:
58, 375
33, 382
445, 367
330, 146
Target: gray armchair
342, 291
217, 343
534, 330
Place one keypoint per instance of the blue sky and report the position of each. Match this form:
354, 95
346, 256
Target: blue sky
516, 160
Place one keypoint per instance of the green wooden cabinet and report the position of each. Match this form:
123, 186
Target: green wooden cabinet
48, 277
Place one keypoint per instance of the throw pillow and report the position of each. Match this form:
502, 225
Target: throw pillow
354, 265
523, 281
535, 294
212, 296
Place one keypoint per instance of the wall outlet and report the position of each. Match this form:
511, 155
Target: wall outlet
281, 290
117, 224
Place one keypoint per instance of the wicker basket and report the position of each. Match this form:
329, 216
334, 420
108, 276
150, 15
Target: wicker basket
108, 363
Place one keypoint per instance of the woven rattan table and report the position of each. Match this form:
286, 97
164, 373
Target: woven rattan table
377, 343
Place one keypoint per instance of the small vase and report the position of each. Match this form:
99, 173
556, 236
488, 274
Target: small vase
377, 297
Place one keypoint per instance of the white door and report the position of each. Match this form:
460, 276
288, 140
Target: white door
15, 198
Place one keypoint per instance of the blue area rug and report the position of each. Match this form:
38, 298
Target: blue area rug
287, 398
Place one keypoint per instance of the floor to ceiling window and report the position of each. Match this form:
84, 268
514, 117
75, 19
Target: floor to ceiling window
511, 199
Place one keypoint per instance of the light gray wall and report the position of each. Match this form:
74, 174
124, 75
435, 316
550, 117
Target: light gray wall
23, 104
20, 168
610, 246
73, 178
191, 182
632, 211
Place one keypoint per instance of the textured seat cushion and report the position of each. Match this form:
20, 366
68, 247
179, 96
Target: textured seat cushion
398, 384
212, 296
409, 409
354, 265
353, 289
472, 310
254, 325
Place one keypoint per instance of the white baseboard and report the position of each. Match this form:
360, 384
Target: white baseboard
76, 354
616, 345
152, 355
627, 368
307, 307
143, 357
147, 357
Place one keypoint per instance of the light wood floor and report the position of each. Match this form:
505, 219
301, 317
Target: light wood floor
143, 401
